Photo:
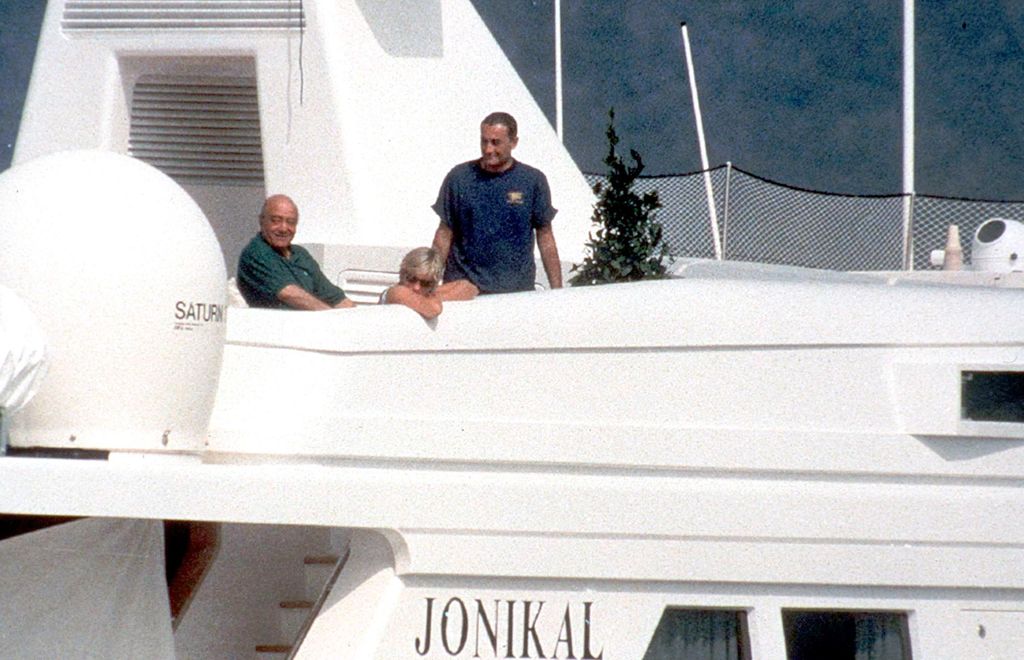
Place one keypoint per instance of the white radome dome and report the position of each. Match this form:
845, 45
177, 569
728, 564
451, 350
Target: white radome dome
126, 278
998, 246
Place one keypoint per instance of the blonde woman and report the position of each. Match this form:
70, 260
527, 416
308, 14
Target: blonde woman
418, 280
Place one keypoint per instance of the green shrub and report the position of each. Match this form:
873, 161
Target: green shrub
627, 242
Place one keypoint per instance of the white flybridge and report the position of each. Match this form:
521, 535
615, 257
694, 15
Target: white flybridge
739, 462
355, 108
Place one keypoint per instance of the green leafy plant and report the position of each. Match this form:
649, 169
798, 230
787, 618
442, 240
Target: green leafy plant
627, 243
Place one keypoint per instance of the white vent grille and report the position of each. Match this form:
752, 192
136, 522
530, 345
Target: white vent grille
365, 286
85, 15
202, 130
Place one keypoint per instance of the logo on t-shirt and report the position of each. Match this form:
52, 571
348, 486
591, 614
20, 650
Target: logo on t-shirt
514, 197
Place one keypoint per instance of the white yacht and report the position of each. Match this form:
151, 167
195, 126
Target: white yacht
739, 462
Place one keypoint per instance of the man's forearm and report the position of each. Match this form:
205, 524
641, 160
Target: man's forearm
298, 298
457, 290
443, 240
549, 256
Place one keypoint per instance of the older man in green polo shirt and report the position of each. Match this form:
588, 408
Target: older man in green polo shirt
276, 274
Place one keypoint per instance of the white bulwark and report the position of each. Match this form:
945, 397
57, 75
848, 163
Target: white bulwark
739, 461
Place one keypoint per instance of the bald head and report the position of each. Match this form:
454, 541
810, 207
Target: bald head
278, 219
278, 202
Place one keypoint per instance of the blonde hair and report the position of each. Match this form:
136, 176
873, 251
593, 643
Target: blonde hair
421, 261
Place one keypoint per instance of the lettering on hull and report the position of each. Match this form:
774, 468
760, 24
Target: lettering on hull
472, 628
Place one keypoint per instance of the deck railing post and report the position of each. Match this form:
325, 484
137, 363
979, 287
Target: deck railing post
725, 211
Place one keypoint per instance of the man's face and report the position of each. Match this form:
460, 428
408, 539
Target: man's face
278, 222
496, 147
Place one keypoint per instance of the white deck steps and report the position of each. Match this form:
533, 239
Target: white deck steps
294, 614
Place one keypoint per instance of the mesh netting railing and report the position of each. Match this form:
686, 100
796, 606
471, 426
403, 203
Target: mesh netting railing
932, 216
768, 222
684, 213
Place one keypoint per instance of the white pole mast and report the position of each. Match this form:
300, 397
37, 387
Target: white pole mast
716, 238
558, 70
908, 132
908, 96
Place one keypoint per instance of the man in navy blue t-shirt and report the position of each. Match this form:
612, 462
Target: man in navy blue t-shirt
491, 209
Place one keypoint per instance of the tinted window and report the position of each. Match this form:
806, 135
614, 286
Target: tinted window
992, 396
685, 634
819, 635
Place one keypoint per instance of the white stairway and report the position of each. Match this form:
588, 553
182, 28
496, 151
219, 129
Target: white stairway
294, 615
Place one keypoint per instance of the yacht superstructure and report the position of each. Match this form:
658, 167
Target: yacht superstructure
737, 462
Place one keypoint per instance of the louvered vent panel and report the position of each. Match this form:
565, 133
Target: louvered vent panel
198, 130
82, 15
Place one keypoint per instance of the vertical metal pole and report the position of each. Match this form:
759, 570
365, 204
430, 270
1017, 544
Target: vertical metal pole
558, 71
716, 239
725, 217
908, 232
908, 133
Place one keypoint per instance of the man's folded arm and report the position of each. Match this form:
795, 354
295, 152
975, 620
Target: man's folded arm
296, 297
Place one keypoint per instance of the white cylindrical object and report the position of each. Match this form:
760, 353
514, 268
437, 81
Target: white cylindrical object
953, 255
998, 246
127, 281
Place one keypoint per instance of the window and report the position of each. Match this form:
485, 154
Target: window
817, 635
690, 634
992, 396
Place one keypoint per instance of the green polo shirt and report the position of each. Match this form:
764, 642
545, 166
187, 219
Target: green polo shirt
263, 272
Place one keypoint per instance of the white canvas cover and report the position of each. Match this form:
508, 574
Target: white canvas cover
93, 588
22, 352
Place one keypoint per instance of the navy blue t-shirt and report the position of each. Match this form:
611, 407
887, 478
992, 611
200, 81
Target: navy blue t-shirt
492, 218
